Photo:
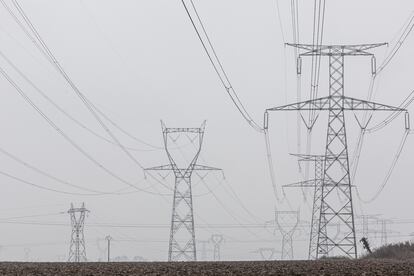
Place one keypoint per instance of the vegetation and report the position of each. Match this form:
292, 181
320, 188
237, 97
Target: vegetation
398, 251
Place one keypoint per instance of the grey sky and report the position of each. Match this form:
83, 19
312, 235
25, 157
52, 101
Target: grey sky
140, 61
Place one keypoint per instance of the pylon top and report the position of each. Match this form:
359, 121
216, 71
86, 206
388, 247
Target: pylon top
336, 50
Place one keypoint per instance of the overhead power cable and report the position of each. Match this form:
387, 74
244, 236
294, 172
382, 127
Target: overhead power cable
389, 172
36, 38
59, 180
403, 35
215, 61
64, 112
66, 137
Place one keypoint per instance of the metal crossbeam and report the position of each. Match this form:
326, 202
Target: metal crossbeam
336, 50
337, 103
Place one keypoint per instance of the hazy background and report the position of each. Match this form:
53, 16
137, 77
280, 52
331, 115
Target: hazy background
140, 61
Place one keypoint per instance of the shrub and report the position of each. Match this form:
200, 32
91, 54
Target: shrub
397, 251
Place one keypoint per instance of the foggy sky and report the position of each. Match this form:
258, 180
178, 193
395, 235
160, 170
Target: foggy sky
141, 62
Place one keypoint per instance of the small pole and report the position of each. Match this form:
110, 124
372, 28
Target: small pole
108, 239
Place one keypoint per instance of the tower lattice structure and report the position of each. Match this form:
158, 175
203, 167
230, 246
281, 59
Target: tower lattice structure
77, 249
182, 242
217, 240
316, 184
336, 176
287, 222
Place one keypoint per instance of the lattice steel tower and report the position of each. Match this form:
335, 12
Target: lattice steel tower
336, 176
77, 250
287, 222
316, 184
182, 244
217, 240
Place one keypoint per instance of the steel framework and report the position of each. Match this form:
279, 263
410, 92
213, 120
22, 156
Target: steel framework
287, 222
316, 184
336, 177
217, 240
182, 243
266, 253
77, 250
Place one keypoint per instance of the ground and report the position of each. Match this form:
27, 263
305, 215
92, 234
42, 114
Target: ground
326, 267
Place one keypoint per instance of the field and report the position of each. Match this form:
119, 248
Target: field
326, 267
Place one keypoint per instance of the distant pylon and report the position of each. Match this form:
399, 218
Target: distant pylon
316, 184
365, 224
77, 250
217, 240
336, 179
266, 253
203, 249
182, 244
384, 230
287, 222
108, 240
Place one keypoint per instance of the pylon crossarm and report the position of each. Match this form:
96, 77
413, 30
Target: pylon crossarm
205, 168
348, 103
161, 168
307, 157
186, 130
306, 183
329, 50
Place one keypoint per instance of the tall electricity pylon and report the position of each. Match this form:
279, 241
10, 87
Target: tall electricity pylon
316, 184
336, 177
287, 222
217, 240
182, 244
77, 250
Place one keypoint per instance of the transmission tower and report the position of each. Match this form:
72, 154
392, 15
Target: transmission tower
266, 253
336, 177
316, 184
108, 240
365, 224
182, 244
77, 250
203, 249
384, 230
287, 222
27, 252
217, 240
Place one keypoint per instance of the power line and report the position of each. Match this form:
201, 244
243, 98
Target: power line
390, 170
217, 65
64, 182
55, 63
64, 135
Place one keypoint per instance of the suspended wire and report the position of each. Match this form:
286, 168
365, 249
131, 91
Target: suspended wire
389, 172
60, 109
271, 165
280, 21
404, 105
217, 65
18, 179
66, 137
206, 185
59, 180
34, 216
404, 33
52, 59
